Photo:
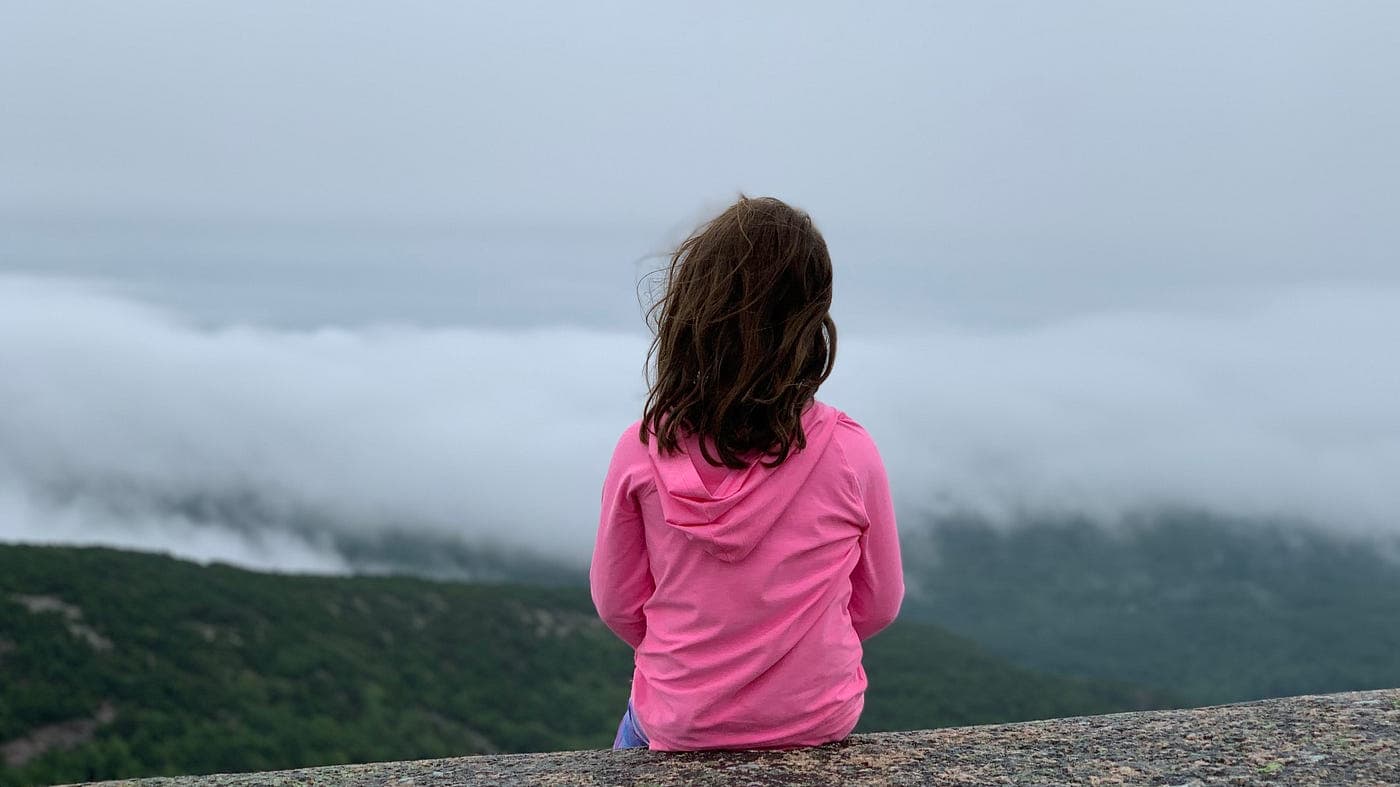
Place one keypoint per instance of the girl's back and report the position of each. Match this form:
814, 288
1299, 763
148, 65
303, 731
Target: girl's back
746, 593
747, 542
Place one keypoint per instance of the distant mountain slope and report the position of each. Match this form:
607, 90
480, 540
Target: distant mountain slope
123, 664
1217, 609
1213, 608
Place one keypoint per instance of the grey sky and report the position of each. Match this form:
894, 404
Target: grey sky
1090, 256
997, 163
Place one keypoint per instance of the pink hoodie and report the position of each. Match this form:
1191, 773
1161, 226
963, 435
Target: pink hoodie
747, 593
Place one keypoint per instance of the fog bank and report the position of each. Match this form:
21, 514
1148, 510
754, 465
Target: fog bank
124, 424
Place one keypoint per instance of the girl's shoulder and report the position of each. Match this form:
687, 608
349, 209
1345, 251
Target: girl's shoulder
629, 444
854, 441
630, 466
847, 427
631, 458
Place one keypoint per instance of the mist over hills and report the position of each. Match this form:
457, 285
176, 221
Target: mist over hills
1041, 474
126, 424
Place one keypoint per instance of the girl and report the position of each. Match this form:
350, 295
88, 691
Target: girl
747, 541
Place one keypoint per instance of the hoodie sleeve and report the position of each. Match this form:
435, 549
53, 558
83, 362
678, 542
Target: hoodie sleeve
877, 583
619, 576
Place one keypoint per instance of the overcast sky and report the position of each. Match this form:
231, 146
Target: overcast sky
1003, 163
1088, 254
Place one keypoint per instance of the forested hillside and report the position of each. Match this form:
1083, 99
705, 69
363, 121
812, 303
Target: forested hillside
125, 664
1214, 608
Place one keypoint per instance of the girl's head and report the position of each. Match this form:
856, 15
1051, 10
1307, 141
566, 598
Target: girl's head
743, 334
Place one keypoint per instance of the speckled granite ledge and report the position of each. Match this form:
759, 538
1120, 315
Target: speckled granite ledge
1351, 738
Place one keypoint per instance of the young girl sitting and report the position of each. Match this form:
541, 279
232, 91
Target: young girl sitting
747, 541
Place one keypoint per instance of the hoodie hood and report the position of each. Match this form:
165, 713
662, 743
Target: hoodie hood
745, 504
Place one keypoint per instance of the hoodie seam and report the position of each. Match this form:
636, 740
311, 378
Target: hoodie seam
852, 477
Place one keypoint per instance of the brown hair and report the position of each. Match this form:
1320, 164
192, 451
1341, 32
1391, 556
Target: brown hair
743, 334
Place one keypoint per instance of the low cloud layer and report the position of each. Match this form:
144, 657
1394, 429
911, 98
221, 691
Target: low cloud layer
124, 424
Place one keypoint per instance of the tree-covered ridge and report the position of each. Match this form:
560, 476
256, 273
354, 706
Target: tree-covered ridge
209, 669
1217, 609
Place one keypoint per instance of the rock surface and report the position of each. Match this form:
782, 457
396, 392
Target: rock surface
1350, 738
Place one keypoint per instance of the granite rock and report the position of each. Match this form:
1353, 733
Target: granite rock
1349, 738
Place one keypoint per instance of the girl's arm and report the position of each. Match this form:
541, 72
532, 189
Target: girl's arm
620, 575
877, 583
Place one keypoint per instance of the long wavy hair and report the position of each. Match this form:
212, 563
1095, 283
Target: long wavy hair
743, 335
